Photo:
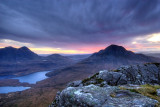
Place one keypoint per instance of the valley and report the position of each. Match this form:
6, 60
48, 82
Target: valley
43, 92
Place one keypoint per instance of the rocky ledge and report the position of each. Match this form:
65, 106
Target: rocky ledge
128, 86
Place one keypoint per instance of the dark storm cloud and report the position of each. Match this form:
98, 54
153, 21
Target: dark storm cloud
64, 22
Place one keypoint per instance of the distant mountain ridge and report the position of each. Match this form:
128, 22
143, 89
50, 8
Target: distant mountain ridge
119, 55
79, 58
17, 54
153, 54
110, 58
113, 50
57, 57
22, 61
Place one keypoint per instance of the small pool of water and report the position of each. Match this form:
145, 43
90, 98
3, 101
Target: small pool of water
8, 89
33, 78
30, 78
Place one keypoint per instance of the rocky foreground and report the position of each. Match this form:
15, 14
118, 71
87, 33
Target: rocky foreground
128, 86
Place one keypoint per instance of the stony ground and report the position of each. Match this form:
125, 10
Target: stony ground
128, 86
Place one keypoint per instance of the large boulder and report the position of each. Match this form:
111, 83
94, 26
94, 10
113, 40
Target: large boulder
95, 96
142, 74
112, 78
137, 74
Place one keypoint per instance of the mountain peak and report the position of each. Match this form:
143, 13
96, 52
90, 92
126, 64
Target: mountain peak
17, 54
24, 48
115, 48
55, 55
9, 47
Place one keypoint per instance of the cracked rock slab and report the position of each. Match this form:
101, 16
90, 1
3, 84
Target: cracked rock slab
95, 96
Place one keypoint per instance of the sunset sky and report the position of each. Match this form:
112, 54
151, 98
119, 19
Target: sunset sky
80, 26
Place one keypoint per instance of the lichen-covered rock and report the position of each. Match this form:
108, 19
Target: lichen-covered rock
91, 95
75, 83
137, 74
142, 74
113, 78
95, 96
124, 98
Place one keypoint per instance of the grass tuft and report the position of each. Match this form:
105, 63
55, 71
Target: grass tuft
149, 91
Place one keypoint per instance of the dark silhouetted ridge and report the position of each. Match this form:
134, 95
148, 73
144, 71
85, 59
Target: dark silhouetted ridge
59, 59
24, 48
14, 54
114, 50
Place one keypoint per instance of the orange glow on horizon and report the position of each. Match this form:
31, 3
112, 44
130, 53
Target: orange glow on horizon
135, 46
85, 50
49, 50
55, 50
